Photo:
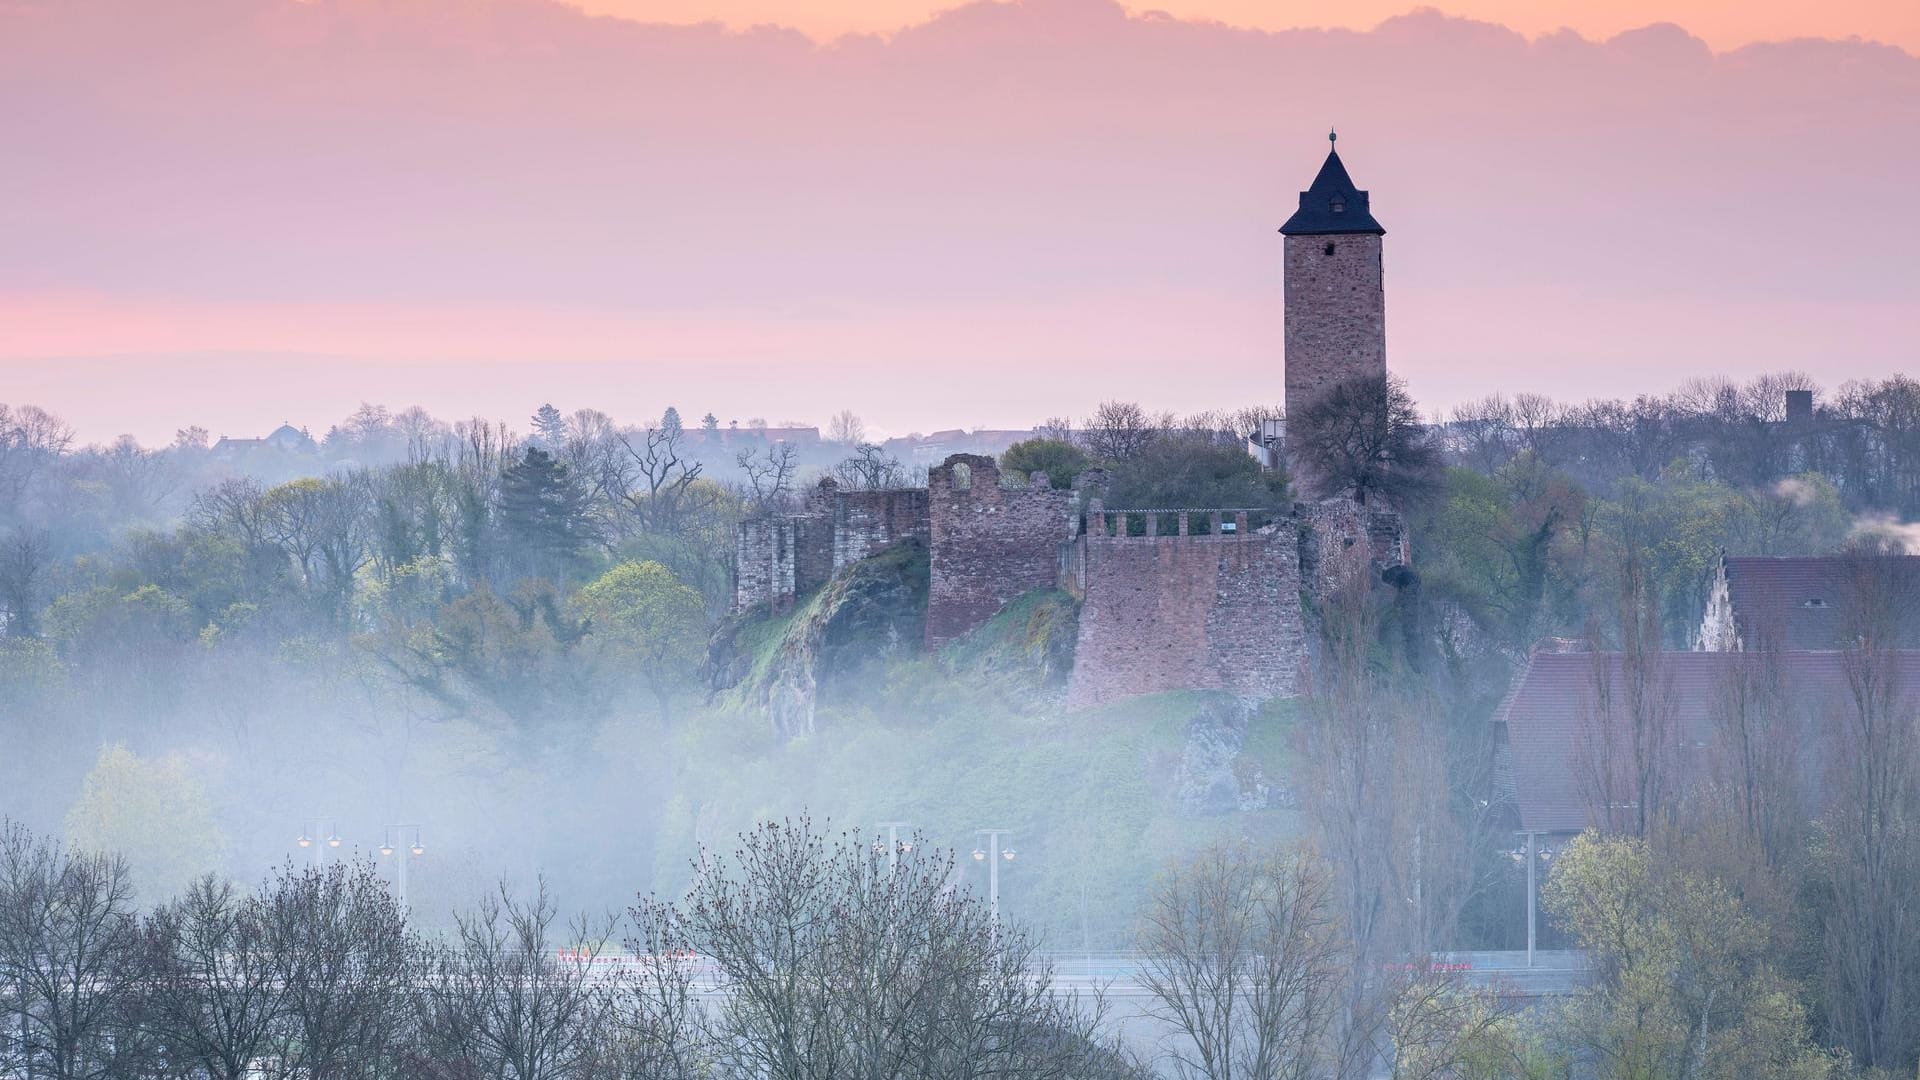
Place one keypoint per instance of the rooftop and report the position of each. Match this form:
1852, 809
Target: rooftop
1332, 205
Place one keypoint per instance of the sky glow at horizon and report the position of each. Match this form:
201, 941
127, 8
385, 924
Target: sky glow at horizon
1006, 214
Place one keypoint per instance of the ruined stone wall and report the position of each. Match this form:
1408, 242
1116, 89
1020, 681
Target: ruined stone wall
1180, 612
777, 557
988, 544
1336, 533
866, 521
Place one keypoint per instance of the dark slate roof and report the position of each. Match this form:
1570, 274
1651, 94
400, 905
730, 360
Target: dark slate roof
1551, 724
1798, 603
1332, 206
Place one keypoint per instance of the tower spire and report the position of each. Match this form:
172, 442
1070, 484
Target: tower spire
1332, 204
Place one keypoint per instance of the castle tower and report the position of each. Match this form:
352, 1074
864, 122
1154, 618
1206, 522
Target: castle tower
1336, 326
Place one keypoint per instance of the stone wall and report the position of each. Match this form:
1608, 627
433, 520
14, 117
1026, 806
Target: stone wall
865, 521
1337, 532
1189, 612
1336, 321
777, 557
989, 543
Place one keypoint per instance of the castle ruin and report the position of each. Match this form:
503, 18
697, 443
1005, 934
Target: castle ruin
1170, 599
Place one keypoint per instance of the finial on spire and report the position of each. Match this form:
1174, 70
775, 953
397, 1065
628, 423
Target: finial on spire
1332, 135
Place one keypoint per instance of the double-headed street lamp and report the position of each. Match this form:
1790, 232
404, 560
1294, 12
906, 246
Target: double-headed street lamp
993, 855
411, 851
311, 830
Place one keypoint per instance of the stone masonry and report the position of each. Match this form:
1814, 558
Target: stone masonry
1188, 612
988, 543
779, 556
1336, 322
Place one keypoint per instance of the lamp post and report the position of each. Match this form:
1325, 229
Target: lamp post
404, 854
311, 836
993, 854
894, 847
1534, 854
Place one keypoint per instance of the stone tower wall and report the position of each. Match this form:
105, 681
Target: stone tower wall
1185, 612
1336, 322
988, 544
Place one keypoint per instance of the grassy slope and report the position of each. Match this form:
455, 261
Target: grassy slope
977, 737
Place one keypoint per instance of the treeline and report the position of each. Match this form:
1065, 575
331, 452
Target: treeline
795, 956
1545, 504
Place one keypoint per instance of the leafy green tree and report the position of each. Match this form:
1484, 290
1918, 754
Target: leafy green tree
644, 617
154, 812
1684, 987
493, 658
1058, 458
1193, 469
1498, 545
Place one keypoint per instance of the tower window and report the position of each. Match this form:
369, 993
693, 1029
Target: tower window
1338, 206
1329, 249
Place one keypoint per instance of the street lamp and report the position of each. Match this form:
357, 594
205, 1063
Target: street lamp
310, 829
411, 851
895, 847
993, 867
1533, 854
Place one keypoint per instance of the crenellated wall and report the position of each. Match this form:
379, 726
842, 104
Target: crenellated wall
1200, 608
988, 543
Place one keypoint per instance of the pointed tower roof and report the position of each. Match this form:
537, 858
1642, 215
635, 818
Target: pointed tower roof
1332, 205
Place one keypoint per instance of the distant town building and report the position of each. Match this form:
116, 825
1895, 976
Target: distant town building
285, 438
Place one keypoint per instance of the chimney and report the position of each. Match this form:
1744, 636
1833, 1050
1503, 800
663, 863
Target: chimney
1799, 406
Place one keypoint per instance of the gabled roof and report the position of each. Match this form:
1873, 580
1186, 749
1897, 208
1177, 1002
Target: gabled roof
1332, 206
1799, 603
1553, 725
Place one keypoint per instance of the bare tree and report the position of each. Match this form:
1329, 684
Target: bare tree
217, 995
1364, 438
870, 468
844, 960
770, 473
1120, 429
31, 438
513, 996
1484, 432
846, 428
347, 987
1872, 859
1757, 752
1627, 748
1245, 962
664, 493
25, 556
70, 961
1538, 423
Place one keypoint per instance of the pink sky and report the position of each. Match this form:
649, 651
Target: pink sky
237, 212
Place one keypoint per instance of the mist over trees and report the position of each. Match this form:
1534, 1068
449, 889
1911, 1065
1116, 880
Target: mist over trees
522, 640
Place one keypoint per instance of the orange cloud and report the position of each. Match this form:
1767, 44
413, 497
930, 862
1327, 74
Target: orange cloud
1723, 24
